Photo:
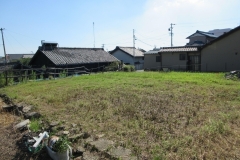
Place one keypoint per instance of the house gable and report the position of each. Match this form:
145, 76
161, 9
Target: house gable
39, 60
222, 54
123, 56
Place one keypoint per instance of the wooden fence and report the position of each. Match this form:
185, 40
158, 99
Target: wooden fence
9, 75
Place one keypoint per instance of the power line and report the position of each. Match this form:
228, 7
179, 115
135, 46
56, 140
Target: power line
18, 42
22, 34
10, 45
145, 43
117, 43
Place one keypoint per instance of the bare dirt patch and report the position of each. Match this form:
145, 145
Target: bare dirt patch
12, 143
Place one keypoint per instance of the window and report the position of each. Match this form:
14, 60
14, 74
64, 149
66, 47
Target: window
158, 58
182, 57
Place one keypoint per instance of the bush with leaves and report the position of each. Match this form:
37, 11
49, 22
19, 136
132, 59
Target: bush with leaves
128, 68
25, 61
112, 67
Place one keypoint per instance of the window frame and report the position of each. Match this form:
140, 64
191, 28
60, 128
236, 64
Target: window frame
182, 57
158, 58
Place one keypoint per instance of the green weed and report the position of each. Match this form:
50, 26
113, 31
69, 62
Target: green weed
35, 125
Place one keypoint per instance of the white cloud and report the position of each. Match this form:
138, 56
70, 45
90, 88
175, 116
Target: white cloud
188, 15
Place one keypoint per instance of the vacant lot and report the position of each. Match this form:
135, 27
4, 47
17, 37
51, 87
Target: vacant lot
157, 115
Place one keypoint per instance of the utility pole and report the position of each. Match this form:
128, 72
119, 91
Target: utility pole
6, 74
93, 36
134, 38
171, 33
103, 46
4, 46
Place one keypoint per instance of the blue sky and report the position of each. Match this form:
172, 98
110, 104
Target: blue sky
70, 23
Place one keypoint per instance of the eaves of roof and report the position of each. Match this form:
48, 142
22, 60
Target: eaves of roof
152, 52
178, 49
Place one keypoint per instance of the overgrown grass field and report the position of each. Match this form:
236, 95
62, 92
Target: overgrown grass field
157, 115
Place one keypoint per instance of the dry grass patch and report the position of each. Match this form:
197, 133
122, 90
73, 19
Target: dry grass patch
157, 115
6, 118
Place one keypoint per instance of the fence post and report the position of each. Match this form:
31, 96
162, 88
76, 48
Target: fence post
21, 73
6, 74
54, 73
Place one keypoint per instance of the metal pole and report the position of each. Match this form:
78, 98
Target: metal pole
170, 29
4, 46
133, 48
93, 36
6, 74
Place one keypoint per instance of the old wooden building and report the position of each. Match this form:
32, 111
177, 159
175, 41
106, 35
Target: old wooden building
50, 55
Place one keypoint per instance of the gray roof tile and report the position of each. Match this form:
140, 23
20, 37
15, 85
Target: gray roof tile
129, 50
62, 56
178, 49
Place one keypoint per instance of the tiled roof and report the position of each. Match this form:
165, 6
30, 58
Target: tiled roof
129, 50
178, 49
63, 56
208, 34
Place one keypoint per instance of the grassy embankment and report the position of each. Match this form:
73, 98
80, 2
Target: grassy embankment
157, 115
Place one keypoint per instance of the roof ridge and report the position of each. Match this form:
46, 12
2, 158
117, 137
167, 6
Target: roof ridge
78, 48
178, 47
126, 47
205, 32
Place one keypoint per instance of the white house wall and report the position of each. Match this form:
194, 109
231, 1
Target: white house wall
126, 58
223, 55
122, 56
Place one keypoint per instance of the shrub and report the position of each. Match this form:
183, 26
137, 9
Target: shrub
132, 68
112, 67
2, 79
63, 74
32, 75
129, 68
25, 61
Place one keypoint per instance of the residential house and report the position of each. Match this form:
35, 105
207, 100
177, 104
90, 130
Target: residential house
204, 52
223, 53
129, 55
50, 55
152, 60
200, 38
180, 58
17, 57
